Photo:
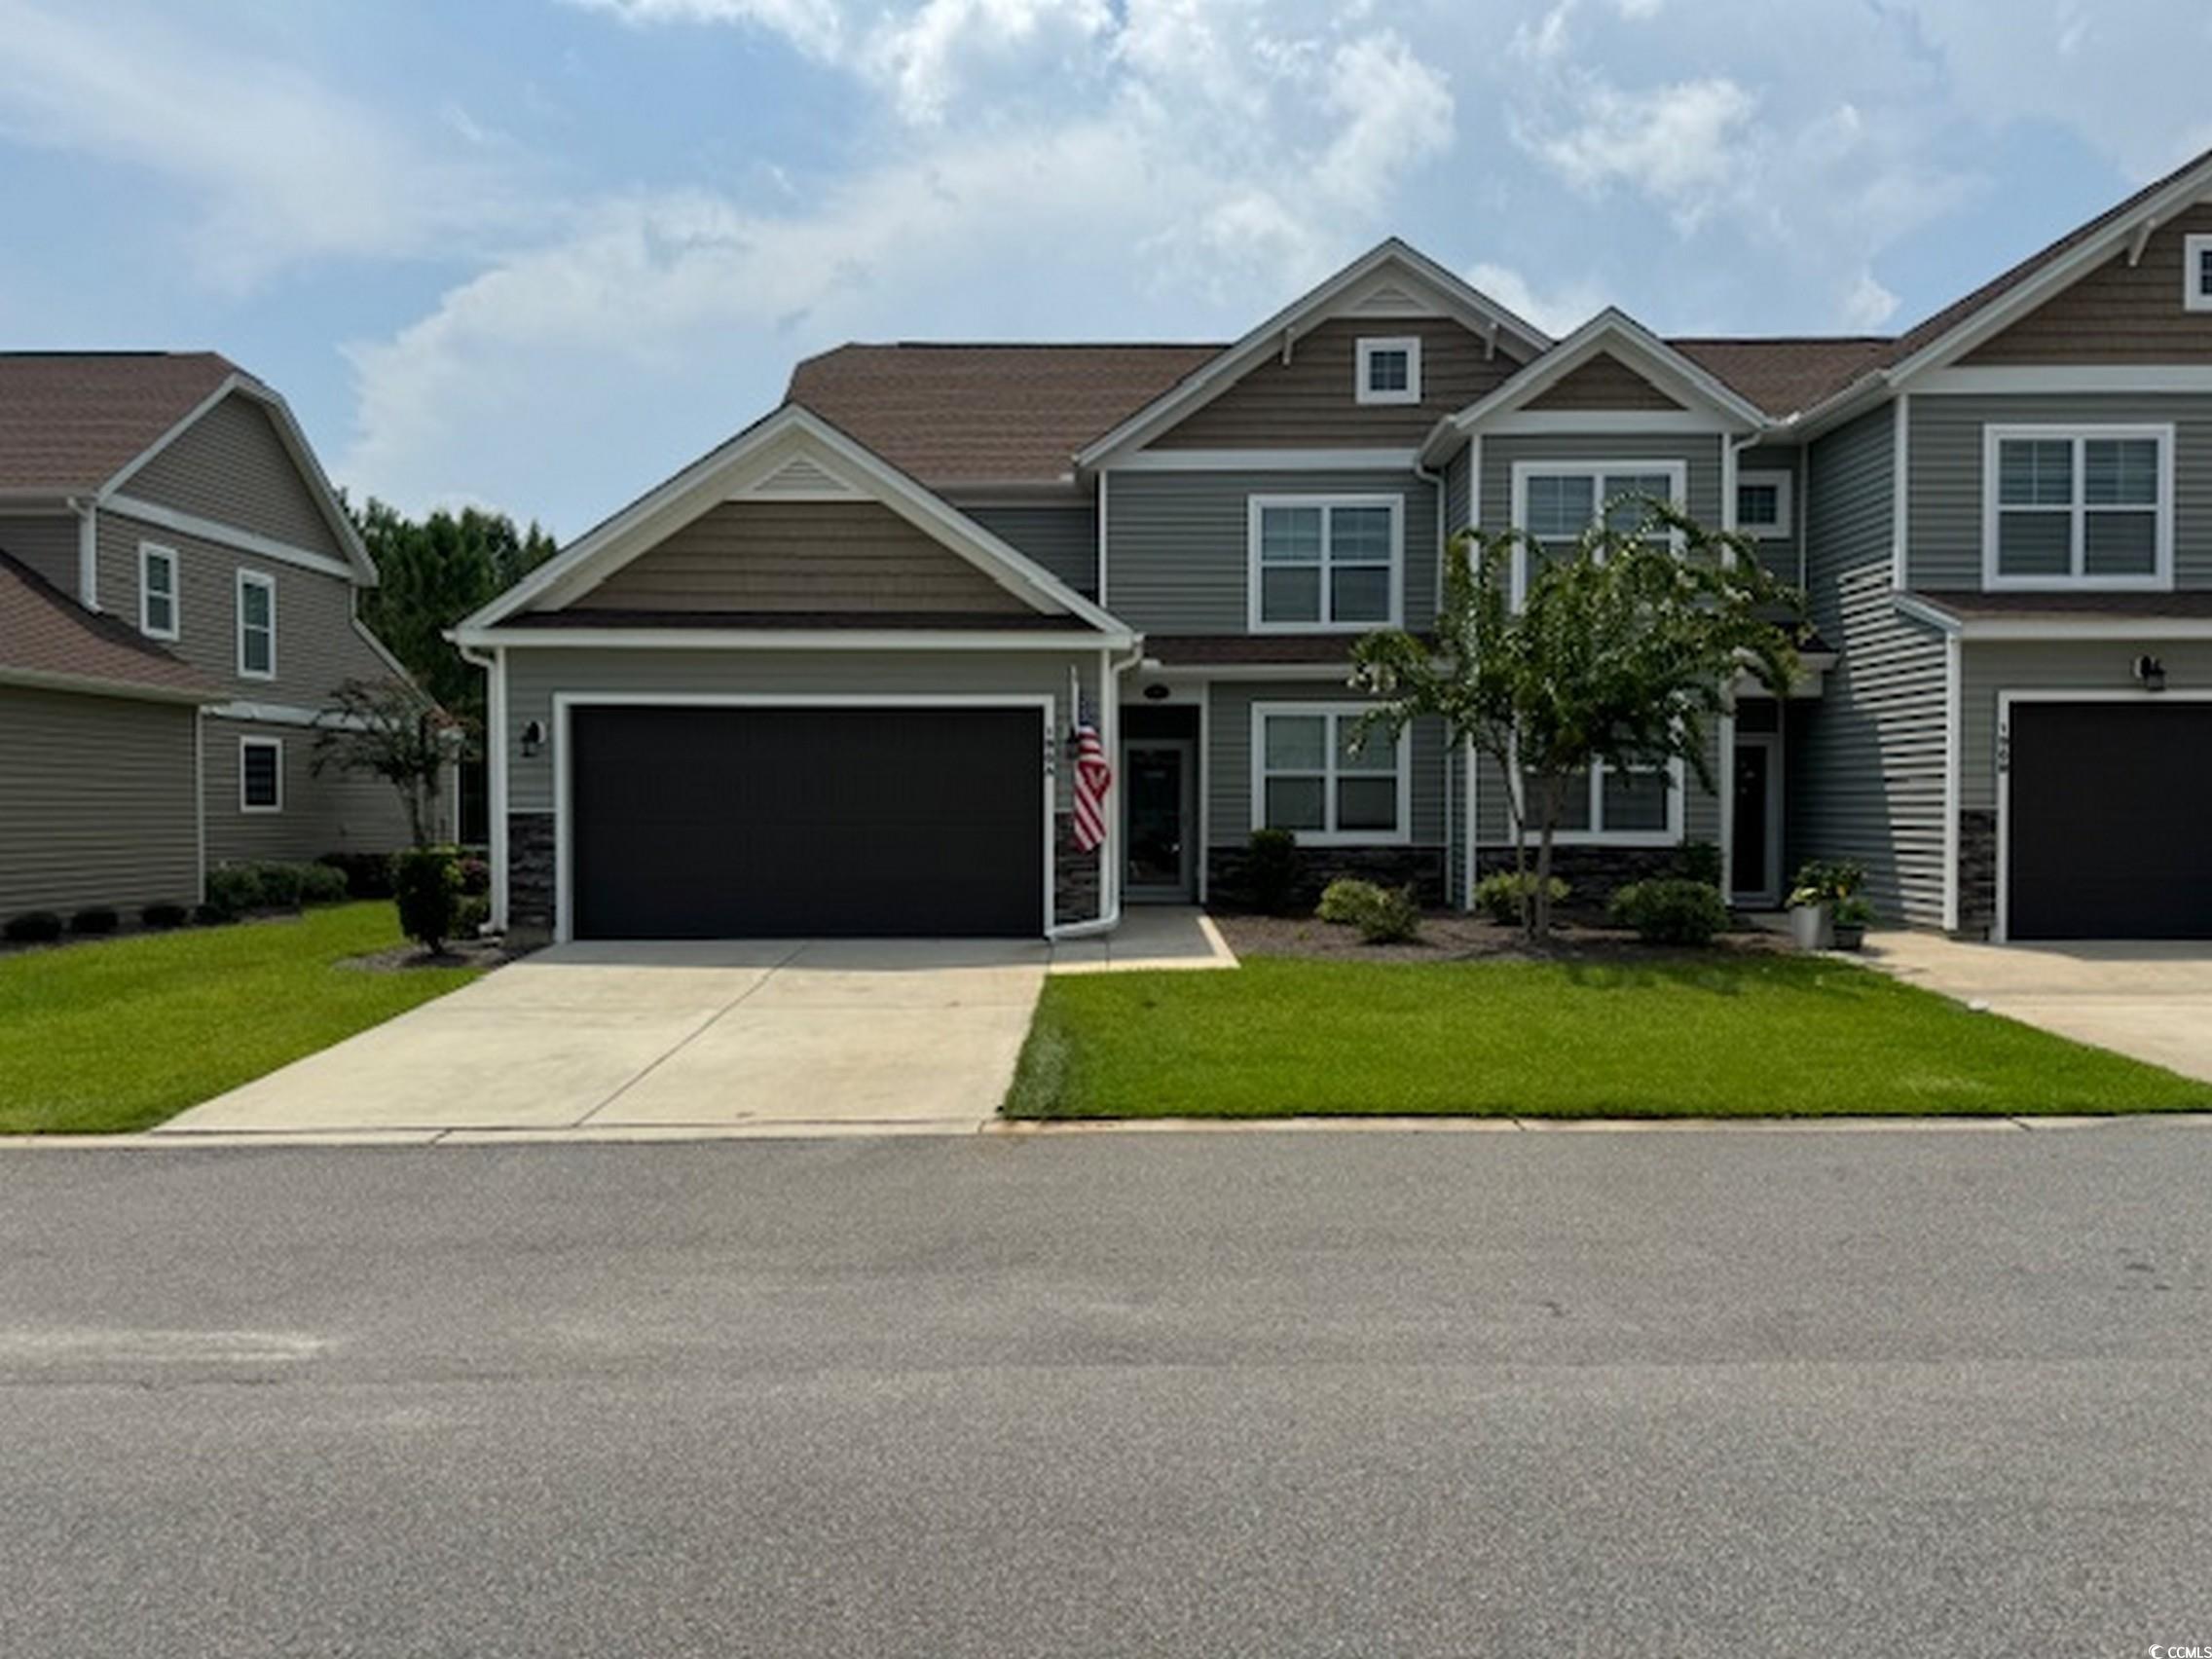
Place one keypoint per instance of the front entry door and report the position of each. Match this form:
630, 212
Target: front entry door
1757, 806
1158, 801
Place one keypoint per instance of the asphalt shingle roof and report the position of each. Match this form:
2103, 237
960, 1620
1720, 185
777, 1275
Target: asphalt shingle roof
70, 421
46, 632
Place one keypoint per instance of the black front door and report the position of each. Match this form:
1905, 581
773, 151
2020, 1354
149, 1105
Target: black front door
1159, 828
1755, 854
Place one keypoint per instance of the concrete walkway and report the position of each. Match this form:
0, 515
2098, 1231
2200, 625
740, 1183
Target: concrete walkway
635, 1040
2149, 999
1151, 937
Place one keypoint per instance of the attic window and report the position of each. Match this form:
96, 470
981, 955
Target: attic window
1390, 371
2196, 274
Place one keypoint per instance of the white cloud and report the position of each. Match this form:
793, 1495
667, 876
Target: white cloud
1867, 306
284, 168
1396, 110
1681, 143
1559, 312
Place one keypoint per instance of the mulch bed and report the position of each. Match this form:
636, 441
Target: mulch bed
459, 953
1449, 936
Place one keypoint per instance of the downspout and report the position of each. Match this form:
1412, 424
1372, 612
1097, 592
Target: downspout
1109, 915
494, 773
1437, 480
86, 510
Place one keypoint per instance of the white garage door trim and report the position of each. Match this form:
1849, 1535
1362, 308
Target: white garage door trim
564, 904
2001, 934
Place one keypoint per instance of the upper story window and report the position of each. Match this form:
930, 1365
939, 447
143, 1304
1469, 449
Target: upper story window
157, 591
2197, 273
1310, 777
1762, 505
257, 625
1390, 371
1555, 502
1320, 562
2078, 506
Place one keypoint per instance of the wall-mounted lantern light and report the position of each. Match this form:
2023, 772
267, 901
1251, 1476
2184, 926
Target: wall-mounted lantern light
2152, 673
532, 739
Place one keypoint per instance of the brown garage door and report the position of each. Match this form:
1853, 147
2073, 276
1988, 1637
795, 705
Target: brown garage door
2108, 812
723, 823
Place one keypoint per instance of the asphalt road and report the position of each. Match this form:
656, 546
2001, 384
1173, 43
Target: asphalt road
1674, 1395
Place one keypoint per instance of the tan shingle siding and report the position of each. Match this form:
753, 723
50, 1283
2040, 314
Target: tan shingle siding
2118, 314
1604, 382
230, 465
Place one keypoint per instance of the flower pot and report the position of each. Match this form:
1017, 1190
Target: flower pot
1812, 926
1849, 936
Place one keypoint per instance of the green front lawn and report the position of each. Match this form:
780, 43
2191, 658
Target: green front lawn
1719, 1036
114, 1036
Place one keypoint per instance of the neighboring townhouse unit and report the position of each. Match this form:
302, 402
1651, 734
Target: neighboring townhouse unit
167, 541
823, 679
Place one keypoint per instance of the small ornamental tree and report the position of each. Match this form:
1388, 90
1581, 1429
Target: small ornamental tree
391, 730
1623, 650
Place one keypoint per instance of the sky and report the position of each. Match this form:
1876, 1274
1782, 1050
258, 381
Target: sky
537, 254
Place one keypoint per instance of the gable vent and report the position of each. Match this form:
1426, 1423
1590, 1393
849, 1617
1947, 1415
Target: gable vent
1388, 298
800, 476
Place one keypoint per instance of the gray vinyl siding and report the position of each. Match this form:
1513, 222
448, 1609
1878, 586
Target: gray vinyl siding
1867, 761
1944, 508
2056, 665
535, 676
99, 802
1778, 554
338, 812
48, 546
317, 644
1310, 402
1064, 539
1177, 543
1459, 495
1700, 451
798, 556
231, 466
1229, 760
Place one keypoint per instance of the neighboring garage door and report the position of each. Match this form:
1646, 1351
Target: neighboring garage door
723, 823
2107, 811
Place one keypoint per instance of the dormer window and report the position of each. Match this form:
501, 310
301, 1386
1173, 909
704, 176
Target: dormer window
2196, 274
1390, 371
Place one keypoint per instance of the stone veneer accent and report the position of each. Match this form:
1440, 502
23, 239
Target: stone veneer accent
1978, 874
1076, 883
1593, 872
529, 874
1419, 867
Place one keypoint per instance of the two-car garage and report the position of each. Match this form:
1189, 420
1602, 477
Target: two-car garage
736, 819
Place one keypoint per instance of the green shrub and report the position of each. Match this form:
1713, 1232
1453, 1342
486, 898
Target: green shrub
1855, 912
1498, 897
1391, 917
233, 890
1275, 869
472, 915
1699, 861
1827, 881
279, 885
1347, 900
93, 920
475, 876
368, 875
1669, 910
320, 884
163, 915
426, 885
32, 927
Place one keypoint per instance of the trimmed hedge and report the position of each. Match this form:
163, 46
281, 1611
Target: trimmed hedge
94, 920
32, 927
163, 915
237, 890
1671, 911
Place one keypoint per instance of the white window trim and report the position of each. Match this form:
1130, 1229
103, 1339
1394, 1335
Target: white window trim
1402, 836
148, 552
1678, 471
268, 583
1670, 836
2194, 296
275, 743
1255, 506
2161, 578
1779, 483
1410, 345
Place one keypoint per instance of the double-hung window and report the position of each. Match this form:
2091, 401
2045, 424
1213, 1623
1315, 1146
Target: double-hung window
1555, 502
1322, 561
1638, 806
260, 774
257, 625
157, 591
2078, 506
1312, 777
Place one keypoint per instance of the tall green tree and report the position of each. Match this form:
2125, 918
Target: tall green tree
1624, 649
434, 572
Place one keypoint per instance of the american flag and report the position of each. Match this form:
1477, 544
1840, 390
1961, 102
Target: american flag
1094, 777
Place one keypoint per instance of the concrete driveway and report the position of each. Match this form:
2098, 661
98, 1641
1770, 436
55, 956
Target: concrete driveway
2150, 999
634, 1039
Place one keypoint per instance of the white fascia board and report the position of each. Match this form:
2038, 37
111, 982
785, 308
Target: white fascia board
1199, 385
2184, 191
1271, 461
2068, 379
1615, 330
227, 535
786, 639
1920, 610
92, 686
715, 477
2110, 628
1341, 673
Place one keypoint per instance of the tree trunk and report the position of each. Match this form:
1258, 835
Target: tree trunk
1544, 894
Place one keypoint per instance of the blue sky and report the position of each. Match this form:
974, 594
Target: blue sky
538, 254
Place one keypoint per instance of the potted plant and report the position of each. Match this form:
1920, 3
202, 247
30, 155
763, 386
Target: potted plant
1823, 884
1852, 917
